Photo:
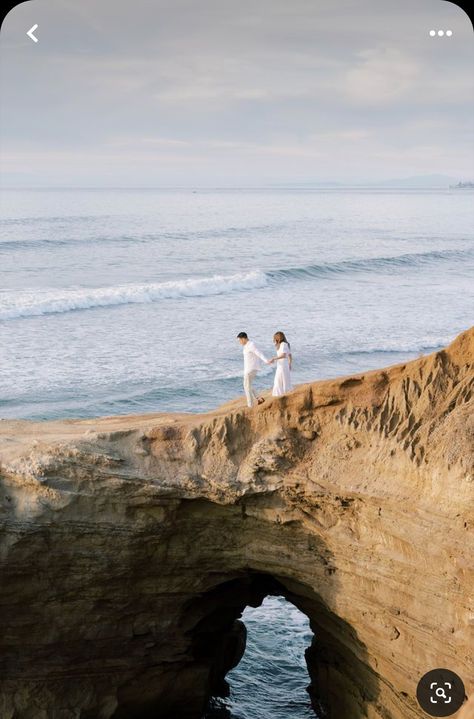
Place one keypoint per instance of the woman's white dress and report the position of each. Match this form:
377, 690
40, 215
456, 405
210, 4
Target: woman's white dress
282, 381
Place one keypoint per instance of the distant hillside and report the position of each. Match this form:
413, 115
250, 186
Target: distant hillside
417, 181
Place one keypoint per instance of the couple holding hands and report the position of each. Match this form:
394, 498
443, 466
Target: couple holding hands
252, 362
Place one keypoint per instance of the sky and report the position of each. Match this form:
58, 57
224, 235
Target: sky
234, 93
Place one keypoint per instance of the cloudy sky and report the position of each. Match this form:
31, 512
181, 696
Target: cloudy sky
235, 92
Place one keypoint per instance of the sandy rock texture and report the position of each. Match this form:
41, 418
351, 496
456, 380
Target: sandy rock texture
467, 711
130, 546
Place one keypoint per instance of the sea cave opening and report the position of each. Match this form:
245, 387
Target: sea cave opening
341, 682
271, 679
289, 624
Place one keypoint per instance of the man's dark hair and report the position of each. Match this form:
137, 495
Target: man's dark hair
242, 336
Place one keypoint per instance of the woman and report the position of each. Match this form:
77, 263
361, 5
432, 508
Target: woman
283, 359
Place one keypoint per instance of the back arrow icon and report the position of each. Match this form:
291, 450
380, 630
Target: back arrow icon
30, 33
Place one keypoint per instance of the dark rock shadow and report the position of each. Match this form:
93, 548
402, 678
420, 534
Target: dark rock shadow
342, 683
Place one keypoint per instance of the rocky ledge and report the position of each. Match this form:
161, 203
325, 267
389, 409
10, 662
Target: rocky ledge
130, 546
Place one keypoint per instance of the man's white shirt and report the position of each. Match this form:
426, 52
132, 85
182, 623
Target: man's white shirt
253, 358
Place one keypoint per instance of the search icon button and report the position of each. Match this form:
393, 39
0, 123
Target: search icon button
440, 692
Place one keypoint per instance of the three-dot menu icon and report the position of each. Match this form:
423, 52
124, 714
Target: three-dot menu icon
441, 33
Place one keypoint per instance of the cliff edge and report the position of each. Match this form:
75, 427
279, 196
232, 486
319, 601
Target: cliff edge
130, 546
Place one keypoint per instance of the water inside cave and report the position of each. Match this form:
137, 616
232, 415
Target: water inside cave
271, 678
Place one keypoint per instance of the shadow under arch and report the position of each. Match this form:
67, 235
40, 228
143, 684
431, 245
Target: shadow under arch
229, 557
218, 639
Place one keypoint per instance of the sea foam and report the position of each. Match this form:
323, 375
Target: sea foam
32, 304
37, 303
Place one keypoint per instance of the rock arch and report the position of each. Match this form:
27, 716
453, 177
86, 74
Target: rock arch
206, 619
130, 545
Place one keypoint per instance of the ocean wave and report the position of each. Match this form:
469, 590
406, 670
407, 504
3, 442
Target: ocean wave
223, 233
370, 264
32, 304
423, 345
51, 219
34, 244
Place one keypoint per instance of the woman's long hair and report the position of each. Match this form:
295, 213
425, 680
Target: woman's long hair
278, 338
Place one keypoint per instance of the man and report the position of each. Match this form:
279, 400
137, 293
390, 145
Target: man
252, 361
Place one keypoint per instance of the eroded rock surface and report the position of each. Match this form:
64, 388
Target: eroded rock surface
130, 545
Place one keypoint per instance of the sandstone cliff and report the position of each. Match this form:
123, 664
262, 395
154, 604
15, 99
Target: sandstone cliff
467, 712
130, 545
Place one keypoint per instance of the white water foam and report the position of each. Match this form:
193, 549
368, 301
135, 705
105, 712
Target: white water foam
32, 304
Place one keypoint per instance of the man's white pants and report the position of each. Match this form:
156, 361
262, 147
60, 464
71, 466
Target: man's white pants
249, 391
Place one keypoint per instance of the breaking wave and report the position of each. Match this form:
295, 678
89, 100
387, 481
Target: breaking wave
36, 303
31, 304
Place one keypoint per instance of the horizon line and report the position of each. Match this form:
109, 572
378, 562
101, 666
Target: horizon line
384, 185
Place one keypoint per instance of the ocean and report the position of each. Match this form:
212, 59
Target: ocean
271, 678
129, 301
